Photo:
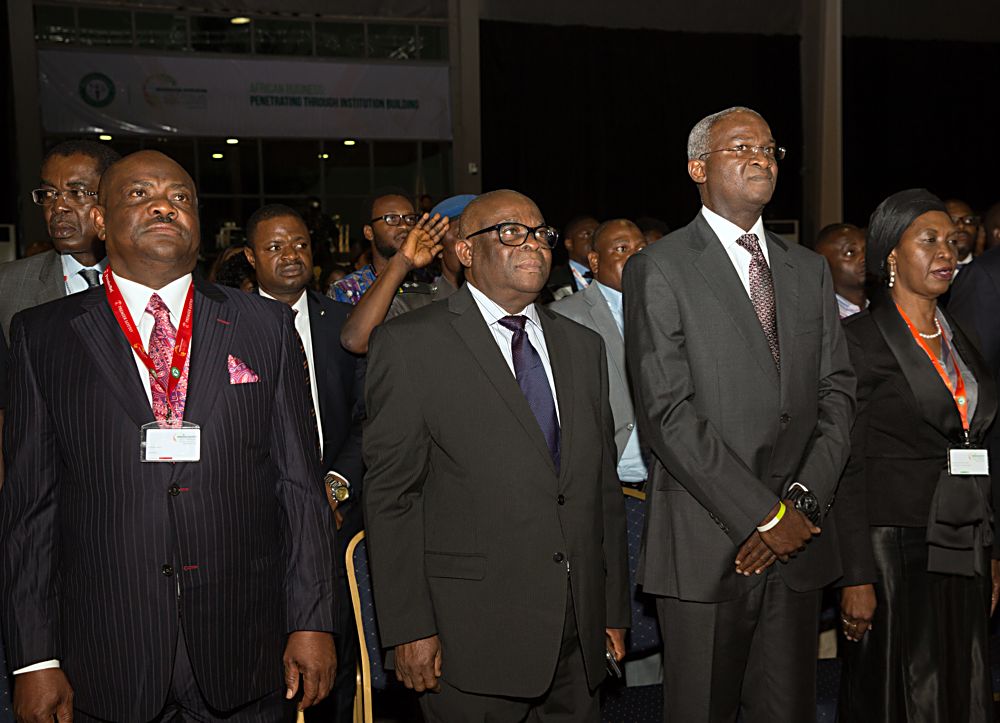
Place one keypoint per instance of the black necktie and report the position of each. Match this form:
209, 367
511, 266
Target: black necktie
534, 383
91, 276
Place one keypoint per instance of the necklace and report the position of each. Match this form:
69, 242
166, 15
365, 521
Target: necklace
935, 335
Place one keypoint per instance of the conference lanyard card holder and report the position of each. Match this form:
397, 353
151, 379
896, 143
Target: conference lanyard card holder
170, 442
968, 461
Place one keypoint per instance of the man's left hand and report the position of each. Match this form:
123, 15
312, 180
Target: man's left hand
311, 655
615, 641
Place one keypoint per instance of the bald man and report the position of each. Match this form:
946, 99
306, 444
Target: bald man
843, 247
494, 516
165, 542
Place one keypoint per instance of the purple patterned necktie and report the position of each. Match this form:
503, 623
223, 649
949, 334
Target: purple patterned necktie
534, 383
161, 351
762, 293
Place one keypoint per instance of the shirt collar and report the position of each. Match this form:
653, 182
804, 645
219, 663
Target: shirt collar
727, 231
301, 305
613, 296
137, 296
579, 267
492, 312
966, 261
72, 267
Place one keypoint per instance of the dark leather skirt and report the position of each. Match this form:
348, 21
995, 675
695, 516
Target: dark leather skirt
926, 658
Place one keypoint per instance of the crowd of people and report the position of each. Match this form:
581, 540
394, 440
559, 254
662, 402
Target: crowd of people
186, 459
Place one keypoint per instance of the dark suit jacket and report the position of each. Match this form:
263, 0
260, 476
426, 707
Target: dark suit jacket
340, 380
729, 434
103, 556
470, 528
906, 423
29, 282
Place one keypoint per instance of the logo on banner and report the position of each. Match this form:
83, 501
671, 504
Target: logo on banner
97, 90
162, 91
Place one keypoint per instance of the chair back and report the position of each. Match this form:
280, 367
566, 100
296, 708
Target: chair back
644, 636
371, 664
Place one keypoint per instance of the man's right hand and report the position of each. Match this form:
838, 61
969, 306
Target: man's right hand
41, 695
422, 244
791, 534
418, 664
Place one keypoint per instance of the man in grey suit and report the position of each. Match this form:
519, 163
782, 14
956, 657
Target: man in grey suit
599, 307
67, 191
495, 519
745, 395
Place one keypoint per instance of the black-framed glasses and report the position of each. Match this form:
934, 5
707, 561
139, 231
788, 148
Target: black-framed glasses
515, 234
73, 196
394, 219
965, 220
772, 153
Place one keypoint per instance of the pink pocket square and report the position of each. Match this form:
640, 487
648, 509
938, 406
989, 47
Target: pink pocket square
240, 373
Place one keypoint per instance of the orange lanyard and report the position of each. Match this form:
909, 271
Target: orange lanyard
957, 391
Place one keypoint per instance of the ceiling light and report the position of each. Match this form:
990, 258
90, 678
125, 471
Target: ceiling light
217, 156
239, 20
104, 137
349, 142
324, 156
232, 141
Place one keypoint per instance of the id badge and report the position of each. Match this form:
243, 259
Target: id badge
966, 461
175, 443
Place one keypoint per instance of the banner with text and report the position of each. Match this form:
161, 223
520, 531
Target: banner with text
98, 92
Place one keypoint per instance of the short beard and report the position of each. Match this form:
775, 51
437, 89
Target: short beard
386, 252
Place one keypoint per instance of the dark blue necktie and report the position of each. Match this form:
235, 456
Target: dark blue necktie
534, 383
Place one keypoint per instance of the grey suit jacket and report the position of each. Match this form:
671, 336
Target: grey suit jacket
29, 282
473, 533
730, 434
590, 308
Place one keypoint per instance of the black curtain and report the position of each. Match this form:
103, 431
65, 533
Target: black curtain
920, 114
595, 120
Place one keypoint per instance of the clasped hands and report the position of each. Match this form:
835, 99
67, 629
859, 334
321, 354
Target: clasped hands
782, 542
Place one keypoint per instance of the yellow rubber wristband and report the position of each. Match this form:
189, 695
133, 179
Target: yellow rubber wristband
774, 520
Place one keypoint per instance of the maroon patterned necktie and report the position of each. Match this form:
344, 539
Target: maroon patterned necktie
161, 351
762, 294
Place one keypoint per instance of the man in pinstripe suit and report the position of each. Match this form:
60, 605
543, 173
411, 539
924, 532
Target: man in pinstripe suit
136, 591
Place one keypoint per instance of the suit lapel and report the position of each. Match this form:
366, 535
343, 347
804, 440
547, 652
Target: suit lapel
472, 329
935, 401
321, 334
715, 266
102, 338
606, 325
214, 325
561, 358
51, 281
786, 297
986, 404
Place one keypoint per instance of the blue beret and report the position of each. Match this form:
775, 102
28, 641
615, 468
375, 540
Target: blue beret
453, 207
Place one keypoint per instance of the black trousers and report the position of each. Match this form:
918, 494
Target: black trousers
568, 699
186, 704
338, 707
757, 653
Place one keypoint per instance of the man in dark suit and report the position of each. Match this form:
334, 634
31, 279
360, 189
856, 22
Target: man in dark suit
745, 394
575, 275
495, 519
137, 590
67, 192
279, 249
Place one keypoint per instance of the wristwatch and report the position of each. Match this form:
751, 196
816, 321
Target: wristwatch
340, 488
805, 502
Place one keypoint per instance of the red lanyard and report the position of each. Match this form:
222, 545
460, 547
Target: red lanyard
181, 344
957, 391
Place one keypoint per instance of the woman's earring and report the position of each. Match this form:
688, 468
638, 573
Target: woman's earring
892, 275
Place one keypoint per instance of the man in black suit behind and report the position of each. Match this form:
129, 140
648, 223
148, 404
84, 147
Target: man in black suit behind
279, 249
495, 519
745, 395
137, 591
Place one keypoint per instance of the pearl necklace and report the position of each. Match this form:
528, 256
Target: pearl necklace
937, 325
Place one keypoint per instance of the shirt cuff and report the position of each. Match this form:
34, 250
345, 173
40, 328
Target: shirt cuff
44, 665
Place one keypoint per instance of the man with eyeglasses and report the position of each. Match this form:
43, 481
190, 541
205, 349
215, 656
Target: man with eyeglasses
390, 219
67, 191
495, 521
967, 223
745, 394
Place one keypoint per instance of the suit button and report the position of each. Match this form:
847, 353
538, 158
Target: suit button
561, 500
174, 490
784, 419
167, 570
630, 426
558, 557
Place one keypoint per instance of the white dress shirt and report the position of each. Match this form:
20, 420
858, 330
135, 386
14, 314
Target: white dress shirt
71, 273
493, 312
728, 232
301, 309
136, 298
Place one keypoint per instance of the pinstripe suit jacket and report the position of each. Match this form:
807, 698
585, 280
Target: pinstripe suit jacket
87, 530
29, 282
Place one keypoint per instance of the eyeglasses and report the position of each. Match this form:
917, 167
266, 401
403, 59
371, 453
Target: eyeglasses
394, 219
515, 234
772, 153
73, 196
965, 220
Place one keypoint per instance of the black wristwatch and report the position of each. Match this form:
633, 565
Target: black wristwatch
805, 502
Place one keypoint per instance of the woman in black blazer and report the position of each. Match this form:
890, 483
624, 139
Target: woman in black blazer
920, 579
